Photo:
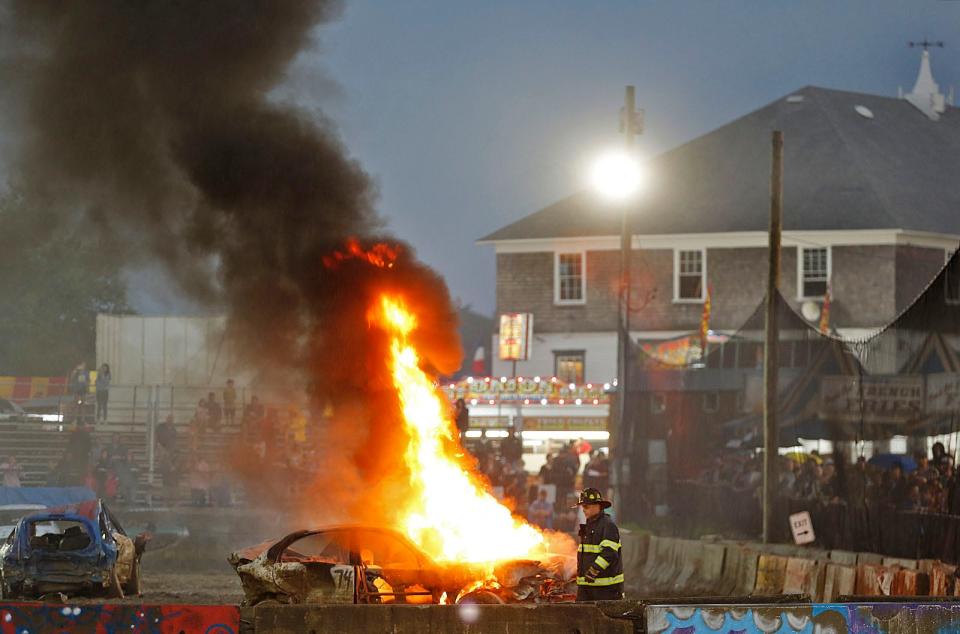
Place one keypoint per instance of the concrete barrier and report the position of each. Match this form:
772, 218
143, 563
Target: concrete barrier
873, 580
437, 619
838, 581
869, 558
939, 576
804, 577
747, 572
909, 583
844, 557
669, 567
909, 564
771, 572
707, 581
691, 560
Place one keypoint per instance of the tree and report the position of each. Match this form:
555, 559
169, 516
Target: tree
55, 276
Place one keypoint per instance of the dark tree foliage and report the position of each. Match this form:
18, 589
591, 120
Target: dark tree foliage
54, 279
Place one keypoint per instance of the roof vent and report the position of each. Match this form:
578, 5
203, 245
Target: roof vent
794, 98
863, 111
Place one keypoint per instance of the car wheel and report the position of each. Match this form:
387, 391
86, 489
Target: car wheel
134, 584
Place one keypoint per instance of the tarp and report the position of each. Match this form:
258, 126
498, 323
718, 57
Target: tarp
48, 496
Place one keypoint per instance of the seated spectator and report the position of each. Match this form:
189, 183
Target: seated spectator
12, 472
912, 500
541, 511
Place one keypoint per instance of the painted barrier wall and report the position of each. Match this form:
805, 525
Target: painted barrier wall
47, 618
888, 618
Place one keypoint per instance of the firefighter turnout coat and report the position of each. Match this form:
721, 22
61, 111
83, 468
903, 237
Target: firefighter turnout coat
598, 557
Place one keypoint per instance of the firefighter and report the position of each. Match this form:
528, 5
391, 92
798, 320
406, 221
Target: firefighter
599, 566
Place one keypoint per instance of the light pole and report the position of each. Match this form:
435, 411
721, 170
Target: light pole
618, 176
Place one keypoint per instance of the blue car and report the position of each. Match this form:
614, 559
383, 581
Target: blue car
79, 549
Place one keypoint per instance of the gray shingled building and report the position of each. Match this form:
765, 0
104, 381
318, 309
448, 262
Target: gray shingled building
871, 210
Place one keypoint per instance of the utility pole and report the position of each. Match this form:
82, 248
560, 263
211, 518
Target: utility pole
630, 125
771, 365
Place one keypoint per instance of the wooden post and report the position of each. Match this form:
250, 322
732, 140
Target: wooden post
771, 343
618, 451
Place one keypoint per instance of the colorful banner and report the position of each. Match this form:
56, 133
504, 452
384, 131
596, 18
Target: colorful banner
524, 390
825, 312
24, 388
705, 322
678, 352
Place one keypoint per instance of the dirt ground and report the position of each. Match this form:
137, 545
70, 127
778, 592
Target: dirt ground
178, 588
209, 588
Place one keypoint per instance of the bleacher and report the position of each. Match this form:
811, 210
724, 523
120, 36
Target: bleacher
39, 446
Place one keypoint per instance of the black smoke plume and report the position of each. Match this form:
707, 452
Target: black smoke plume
157, 122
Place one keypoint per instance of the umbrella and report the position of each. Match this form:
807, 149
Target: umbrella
799, 457
887, 460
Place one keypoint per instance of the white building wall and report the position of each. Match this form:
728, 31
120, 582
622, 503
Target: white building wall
600, 360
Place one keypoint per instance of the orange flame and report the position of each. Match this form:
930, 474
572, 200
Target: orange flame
449, 513
380, 254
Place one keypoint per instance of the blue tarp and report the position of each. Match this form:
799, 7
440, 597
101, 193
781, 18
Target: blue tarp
48, 496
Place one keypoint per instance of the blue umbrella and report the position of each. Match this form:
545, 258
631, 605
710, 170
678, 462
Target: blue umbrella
887, 460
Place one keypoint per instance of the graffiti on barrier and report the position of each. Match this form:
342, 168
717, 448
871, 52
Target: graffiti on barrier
886, 618
43, 618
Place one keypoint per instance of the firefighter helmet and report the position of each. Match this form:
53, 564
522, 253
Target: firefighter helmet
592, 496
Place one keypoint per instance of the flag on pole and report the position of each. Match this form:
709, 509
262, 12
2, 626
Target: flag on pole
705, 324
479, 366
825, 313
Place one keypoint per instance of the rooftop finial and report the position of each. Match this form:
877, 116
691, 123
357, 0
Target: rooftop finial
926, 95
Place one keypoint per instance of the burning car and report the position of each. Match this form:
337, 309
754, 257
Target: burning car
77, 549
362, 564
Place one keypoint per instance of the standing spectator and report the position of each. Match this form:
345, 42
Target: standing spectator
546, 471
541, 511
940, 456
79, 383
565, 469
214, 412
252, 413
77, 455
115, 449
126, 469
512, 448
596, 474
100, 472
229, 402
461, 417
166, 434
199, 481
12, 472
103, 391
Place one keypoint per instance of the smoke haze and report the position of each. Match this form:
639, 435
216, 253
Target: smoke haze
154, 123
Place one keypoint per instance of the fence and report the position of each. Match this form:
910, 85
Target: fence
701, 509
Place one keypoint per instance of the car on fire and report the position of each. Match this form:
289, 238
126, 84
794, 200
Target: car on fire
80, 549
368, 564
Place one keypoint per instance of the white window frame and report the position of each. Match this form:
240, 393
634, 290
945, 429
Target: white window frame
583, 279
800, 250
676, 277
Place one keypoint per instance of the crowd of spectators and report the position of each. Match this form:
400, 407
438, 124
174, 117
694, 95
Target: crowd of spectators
546, 498
906, 483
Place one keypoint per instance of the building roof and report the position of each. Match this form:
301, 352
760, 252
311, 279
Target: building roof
851, 161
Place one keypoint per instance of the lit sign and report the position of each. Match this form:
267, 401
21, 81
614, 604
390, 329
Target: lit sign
515, 329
